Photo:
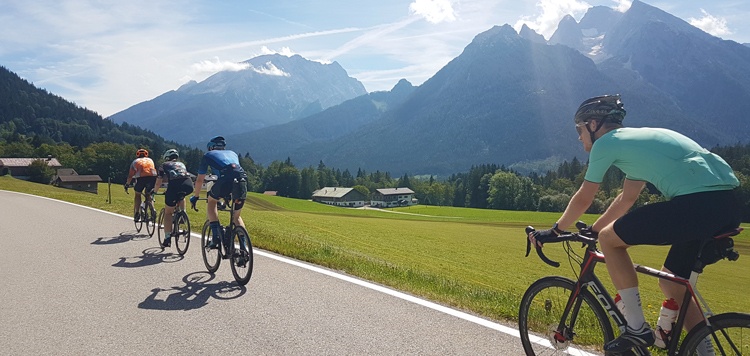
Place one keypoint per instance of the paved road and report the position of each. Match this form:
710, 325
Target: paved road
75, 280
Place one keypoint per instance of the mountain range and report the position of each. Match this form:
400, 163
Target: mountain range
272, 90
508, 99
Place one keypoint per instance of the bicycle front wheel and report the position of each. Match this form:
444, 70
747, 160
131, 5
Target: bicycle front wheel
586, 328
160, 227
211, 257
181, 233
139, 223
150, 220
730, 336
242, 256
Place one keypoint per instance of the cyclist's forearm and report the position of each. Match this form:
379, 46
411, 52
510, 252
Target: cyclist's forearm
198, 184
617, 209
578, 204
576, 207
631, 189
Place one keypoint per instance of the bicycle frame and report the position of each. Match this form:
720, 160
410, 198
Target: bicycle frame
229, 232
588, 279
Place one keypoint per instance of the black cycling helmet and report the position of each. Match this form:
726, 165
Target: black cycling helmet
216, 143
602, 108
171, 154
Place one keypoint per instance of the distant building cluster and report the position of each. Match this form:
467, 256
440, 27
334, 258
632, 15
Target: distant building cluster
64, 178
351, 198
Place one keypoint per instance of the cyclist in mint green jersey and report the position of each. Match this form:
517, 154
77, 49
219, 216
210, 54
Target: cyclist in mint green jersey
701, 203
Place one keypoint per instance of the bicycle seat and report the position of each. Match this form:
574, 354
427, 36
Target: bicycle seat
734, 232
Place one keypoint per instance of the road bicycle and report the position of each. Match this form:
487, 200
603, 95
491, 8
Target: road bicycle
147, 214
235, 246
180, 226
561, 316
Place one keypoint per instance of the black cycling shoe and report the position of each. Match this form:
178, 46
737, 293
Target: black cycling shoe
137, 217
167, 242
631, 338
241, 260
214, 244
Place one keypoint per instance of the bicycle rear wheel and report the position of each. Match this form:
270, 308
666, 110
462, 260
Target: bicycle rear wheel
731, 336
160, 227
211, 256
181, 233
150, 220
242, 256
587, 327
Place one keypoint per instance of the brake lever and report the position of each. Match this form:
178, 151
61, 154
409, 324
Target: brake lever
529, 230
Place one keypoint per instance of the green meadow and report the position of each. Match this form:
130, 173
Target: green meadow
469, 259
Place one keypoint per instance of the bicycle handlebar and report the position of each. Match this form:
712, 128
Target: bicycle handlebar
579, 236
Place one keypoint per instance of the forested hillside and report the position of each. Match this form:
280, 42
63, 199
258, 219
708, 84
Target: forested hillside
36, 123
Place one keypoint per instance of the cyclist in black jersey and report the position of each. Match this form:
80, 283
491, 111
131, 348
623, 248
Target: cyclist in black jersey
179, 185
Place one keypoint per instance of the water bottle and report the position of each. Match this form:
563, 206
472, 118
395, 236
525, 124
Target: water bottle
620, 304
667, 317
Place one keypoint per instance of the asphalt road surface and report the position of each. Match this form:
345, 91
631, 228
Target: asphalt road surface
75, 280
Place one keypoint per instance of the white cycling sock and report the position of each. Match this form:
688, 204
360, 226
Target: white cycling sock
631, 299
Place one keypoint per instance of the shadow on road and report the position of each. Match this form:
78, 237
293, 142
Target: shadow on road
124, 236
150, 257
193, 295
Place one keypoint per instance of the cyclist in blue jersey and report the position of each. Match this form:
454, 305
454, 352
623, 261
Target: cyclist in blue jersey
179, 185
701, 203
231, 184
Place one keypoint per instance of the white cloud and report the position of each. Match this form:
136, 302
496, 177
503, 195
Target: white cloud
434, 11
285, 51
218, 66
716, 26
270, 69
552, 11
623, 5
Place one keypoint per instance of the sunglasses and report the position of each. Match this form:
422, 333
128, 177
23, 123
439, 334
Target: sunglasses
579, 127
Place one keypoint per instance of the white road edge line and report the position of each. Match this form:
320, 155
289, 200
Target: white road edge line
425, 303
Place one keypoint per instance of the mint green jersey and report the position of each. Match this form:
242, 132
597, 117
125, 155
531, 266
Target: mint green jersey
672, 162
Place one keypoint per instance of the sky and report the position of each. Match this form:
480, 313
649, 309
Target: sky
108, 55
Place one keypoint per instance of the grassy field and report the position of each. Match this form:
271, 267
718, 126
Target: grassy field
470, 259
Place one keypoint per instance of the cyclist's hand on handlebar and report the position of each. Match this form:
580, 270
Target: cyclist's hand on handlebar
539, 237
193, 200
589, 232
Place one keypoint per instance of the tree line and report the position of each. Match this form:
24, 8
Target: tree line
485, 186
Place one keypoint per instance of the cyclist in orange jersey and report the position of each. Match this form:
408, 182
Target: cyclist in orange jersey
144, 172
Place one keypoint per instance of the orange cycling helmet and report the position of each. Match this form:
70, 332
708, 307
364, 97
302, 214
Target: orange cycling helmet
141, 153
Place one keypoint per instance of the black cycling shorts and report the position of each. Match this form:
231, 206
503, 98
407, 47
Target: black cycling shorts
231, 186
144, 183
177, 189
684, 222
